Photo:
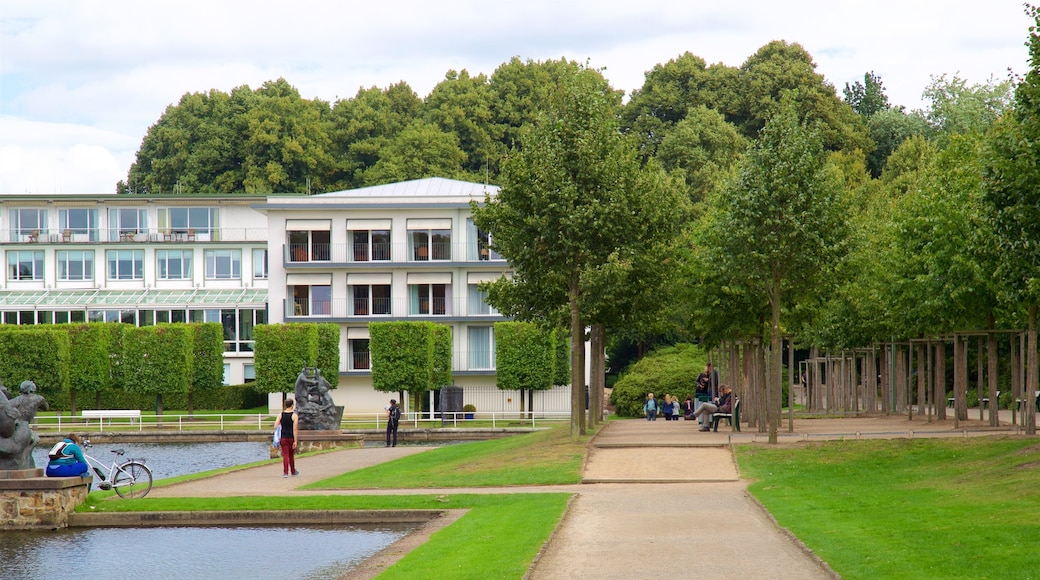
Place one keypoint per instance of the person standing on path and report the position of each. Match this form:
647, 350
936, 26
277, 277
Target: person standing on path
393, 418
650, 407
290, 423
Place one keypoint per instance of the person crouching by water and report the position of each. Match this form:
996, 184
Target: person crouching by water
290, 423
66, 458
650, 407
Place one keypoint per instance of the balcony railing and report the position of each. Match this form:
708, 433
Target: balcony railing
132, 235
472, 360
373, 254
388, 307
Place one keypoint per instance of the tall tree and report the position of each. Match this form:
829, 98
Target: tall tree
572, 195
1012, 194
867, 98
781, 229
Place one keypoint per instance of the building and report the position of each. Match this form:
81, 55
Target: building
402, 251
140, 260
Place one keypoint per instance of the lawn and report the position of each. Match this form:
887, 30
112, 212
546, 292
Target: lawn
935, 508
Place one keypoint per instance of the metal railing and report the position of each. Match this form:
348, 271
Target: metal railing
374, 254
132, 235
388, 307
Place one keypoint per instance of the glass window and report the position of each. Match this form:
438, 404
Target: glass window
223, 264
477, 300
371, 300
25, 223
202, 221
479, 244
260, 271
173, 264
79, 221
248, 373
429, 299
24, 264
371, 245
481, 347
430, 244
311, 300
125, 264
75, 265
124, 221
360, 359
314, 246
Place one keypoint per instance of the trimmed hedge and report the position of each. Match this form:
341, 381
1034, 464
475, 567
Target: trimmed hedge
36, 353
410, 356
525, 356
671, 370
282, 350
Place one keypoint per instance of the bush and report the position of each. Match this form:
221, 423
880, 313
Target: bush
468, 408
671, 370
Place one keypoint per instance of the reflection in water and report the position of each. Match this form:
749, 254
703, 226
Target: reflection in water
315, 553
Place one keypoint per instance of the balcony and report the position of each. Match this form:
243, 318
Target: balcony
348, 309
372, 255
109, 235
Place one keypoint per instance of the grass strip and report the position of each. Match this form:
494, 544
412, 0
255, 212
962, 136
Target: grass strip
549, 457
924, 508
498, 538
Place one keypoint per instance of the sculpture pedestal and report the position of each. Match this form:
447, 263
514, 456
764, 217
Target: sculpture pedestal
31, 501
316, 440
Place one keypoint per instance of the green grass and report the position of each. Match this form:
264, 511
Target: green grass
498, 538
936, 508
546, 457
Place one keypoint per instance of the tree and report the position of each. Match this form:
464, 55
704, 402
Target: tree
420, 150
460, 105
412, 357
867, 98
956, 108
158, 360
572, 195
1012, 196
526, 358
702, 149
780, 228
207, 359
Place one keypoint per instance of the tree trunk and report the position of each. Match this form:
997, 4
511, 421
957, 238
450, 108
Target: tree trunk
577, 362
597, 380
1029, 413
991, 370
773, 387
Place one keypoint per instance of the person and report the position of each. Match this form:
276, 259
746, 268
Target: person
290, 423
676, 409
705, 381
393, 419
66, 458
688, 408
650, 407
723, 404
666, 408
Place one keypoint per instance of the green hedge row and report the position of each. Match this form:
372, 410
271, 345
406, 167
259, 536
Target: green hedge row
672, 370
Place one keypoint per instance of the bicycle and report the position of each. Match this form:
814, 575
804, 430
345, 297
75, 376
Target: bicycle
130, 479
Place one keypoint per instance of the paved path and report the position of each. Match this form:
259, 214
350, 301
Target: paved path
656, 492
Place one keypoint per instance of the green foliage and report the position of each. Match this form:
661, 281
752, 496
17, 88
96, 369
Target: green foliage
219, 398
89, 346
327, 358
410, 356
39, 354
867, 98
208, 356
525, 356
158, 359
116, 330
670, 370
281, 350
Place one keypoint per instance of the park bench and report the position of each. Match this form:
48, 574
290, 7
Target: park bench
102, 414
985, 400
733, 417
1019, 402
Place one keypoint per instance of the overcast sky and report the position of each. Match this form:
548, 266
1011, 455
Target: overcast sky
81, 81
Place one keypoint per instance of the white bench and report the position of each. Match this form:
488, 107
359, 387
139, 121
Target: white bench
102, 414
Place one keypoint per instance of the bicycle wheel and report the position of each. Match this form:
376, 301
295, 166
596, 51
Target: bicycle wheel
132, 480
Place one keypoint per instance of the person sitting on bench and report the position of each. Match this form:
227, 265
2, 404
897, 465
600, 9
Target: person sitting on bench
723, 403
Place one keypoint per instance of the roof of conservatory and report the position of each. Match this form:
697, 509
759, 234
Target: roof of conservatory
102, 298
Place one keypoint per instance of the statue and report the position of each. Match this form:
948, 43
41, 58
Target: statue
28, 403
314, 405
17, 440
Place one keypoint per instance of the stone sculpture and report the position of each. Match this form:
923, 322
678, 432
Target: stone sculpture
17, 440
314, 404
28, 403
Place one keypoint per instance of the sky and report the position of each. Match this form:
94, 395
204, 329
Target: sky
82, 81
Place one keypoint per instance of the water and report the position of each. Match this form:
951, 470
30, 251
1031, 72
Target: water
312, 553
173, 459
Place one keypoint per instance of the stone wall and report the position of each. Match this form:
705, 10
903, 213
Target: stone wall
30, 501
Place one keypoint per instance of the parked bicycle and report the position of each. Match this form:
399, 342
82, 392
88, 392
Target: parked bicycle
130, 479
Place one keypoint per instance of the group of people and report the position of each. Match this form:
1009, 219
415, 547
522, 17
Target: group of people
701, 406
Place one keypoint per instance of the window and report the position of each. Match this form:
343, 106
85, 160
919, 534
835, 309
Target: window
124, 316
76, 265
371, 299
309, 246
70, 316
25, 223
477, 300
360, 358
479, 245
429, 299
173, 264
124, 222
248, 319
248, 373
371, 245
202, 221
82, 221
311, 300
24, 265
125, 264
430, 244
260, 271
223, 264
481, 347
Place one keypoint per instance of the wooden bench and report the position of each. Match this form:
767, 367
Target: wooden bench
1018, 402
733, 417
102, 414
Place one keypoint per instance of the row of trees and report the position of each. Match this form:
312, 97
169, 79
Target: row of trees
70, 359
